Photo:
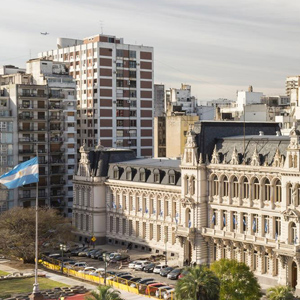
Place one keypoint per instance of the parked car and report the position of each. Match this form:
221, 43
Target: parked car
158, 268
124, 279
183, 273
174, 274
132, 264
91, 252
145, 280
96, 253
143, 287
149, 268
76, 251
120, 257
168, 294
112, 255
87, 270
152, 288
98, 272
141, 265
165, 271
78, 265
160, 292
84, 252
100, 255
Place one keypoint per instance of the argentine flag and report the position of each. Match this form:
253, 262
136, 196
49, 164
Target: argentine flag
24, 173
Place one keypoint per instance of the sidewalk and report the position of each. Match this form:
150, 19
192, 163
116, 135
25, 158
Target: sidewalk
67, 280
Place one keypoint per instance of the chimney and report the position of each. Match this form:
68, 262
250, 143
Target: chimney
250, 89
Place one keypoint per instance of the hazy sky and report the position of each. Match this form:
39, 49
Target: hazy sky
217, 46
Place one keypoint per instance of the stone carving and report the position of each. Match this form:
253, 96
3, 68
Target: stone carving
215, 156
255, 158
277, 159
234, 157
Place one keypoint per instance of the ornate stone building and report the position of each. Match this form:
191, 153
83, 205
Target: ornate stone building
236, 196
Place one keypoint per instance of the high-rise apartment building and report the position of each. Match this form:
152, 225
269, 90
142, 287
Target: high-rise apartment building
114, 91
292, 82
38, 117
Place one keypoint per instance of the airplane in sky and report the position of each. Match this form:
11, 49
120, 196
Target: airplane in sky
45, 33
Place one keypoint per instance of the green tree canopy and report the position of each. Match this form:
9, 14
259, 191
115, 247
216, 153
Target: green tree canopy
17, 231
280, 292
104, 293
237, 280
199, 283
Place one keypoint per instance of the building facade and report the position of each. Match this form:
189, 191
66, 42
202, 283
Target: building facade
234, 197
114, 91
42, 108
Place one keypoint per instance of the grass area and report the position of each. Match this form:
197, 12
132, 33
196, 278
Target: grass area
25, 285
2, 273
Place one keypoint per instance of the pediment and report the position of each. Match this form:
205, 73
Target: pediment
289, 214
187, 202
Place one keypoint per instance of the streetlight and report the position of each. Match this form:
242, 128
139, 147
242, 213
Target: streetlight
105, 266
62, 248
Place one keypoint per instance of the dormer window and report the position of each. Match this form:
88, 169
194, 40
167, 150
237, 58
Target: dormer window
156, 176
128, 173
142, 174
116, 172
171, 177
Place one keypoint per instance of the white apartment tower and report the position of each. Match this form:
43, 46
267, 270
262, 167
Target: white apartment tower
114, 91
38, 114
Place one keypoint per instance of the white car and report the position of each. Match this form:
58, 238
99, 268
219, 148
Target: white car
158, 268
168, 294
139, 266
97, 272
112, 255
132, 264
87, 270
161, 291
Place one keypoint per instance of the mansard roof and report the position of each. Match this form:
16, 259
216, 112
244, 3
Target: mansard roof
258, 147
208, 131
100, 159
164, 167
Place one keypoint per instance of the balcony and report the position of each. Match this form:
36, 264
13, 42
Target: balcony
182, 231
25, 117
57, 139
55, 106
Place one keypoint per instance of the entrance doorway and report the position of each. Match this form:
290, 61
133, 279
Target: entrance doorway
188, 253
294, 275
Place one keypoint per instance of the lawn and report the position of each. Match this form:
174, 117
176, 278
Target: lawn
2, 273
19, 286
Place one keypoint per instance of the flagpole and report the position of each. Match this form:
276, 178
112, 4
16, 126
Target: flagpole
36, 291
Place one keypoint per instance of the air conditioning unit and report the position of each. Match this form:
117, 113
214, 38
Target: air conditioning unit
128, 101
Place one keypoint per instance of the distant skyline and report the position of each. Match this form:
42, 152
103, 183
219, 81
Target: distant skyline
216, 46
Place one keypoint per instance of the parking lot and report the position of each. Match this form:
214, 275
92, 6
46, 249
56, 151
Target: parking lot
134, 255
117, 267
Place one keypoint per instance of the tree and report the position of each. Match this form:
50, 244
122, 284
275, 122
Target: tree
199, 283
280, 292
237, 280
17, 231
104, 293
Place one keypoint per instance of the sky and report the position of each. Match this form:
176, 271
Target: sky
216, 46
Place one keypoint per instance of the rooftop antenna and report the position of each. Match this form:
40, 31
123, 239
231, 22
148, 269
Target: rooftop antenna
101, 26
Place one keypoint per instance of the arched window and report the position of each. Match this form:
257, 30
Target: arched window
277, 191
267, 189
293, 238
289, 193
225, 186
215, 186
235, 187
188, 218
256, 189
245, 188
186, 185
